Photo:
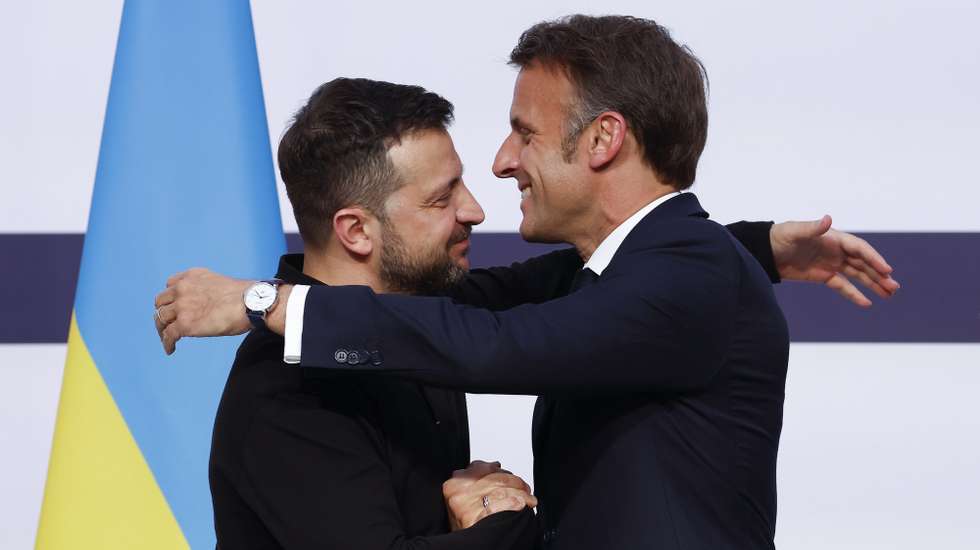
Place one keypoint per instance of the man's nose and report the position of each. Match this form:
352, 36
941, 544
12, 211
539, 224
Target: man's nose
506, 162
469, 212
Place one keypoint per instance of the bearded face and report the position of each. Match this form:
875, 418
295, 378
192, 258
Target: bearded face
423, 268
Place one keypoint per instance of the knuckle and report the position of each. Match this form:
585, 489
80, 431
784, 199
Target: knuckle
450, 487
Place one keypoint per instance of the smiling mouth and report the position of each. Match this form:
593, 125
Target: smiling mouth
525, 191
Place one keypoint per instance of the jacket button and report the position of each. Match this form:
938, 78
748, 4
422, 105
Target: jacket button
353, 357
376, 358
340, 356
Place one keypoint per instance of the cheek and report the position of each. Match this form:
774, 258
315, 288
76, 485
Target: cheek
440, 232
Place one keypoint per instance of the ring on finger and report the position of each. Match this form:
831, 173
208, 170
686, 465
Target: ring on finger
486, 501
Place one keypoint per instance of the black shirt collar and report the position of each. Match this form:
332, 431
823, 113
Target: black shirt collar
291, 271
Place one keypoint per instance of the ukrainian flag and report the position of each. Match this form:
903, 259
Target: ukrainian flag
184, 179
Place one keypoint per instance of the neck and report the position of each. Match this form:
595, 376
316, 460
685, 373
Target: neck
335, 266
617, 202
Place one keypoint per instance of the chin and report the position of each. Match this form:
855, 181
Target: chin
533, 234
527, 231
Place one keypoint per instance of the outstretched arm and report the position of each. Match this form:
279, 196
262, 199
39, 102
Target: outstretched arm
660, 319
548, 276
199, 302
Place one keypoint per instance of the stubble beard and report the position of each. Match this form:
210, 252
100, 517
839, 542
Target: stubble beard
433, 274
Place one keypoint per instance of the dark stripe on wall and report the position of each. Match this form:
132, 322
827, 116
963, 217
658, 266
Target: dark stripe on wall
939, 300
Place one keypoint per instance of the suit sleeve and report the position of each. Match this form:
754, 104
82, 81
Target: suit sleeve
660, 319
754, 236
548, 276
533, 281
318, 480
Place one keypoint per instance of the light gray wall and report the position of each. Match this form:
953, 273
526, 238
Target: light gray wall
866, 110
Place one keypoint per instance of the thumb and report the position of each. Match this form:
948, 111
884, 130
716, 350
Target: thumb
817, 228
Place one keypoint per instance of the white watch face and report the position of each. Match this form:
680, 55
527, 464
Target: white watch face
260, 296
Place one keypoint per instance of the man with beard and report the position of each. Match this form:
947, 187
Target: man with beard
306, 461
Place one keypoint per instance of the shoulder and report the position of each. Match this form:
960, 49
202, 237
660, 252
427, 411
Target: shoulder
690, 237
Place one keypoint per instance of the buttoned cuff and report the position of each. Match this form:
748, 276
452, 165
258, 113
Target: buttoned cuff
295, 307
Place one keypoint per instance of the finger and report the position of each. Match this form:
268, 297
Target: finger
478, 469
509, 499
885, 281
159, 324
865, 280
170, 336
512, 504
166, 297
857, 247
850, 292
172, 280
502, 480
167, 314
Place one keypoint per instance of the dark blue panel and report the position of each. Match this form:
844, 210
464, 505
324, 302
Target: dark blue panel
939, 300
37, 286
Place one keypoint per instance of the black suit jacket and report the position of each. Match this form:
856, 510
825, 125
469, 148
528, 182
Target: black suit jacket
665, 383
306, 459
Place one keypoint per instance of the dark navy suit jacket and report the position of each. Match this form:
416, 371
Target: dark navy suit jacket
664, 380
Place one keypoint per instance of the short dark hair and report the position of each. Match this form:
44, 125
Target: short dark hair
631, 66
335, 152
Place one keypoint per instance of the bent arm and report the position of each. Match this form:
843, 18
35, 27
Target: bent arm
660, 319
317, 480
548, 276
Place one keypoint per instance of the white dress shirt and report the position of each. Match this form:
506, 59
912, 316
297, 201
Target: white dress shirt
296, 305
607, 248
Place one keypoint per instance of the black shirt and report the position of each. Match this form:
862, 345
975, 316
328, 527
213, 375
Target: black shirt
300, 459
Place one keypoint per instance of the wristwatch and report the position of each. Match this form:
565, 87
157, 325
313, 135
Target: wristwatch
259, 299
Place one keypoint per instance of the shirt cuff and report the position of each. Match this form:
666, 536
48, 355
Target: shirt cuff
295, 307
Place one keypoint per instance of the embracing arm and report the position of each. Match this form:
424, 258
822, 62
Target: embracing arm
199, 302
662, 321
316, 479
548, 276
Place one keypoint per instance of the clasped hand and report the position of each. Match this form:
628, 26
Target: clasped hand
483, 489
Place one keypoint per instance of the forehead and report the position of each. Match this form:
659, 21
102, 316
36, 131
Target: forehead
541, 92
426, 158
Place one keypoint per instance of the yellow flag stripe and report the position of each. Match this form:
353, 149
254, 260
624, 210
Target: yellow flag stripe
100, 492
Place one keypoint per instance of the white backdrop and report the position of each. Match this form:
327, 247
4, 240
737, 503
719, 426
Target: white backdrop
866, 110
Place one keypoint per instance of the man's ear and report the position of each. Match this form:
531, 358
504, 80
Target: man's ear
353, 228
606, 136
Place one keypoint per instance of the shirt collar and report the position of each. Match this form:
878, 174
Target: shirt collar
291, 270
607, 248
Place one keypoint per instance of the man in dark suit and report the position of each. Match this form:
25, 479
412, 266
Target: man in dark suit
661, 371
303, 460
